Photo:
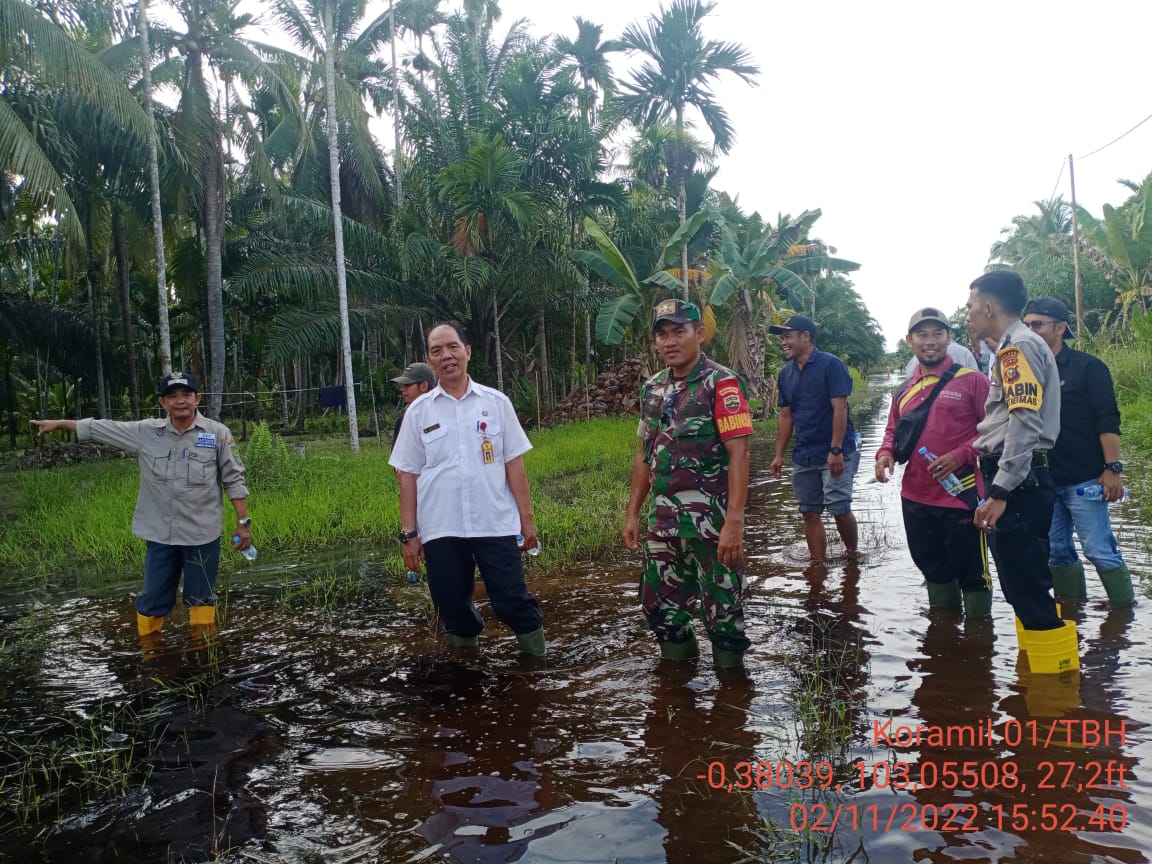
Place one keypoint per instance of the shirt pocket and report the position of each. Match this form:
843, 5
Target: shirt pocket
162, 466
201, 468
435, 443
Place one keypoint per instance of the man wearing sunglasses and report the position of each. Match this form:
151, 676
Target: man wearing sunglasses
695, 432
1086, 452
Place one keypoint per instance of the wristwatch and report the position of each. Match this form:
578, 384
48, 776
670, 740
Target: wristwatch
246, 521
1115, 467
405, 536
998, 492
837, 451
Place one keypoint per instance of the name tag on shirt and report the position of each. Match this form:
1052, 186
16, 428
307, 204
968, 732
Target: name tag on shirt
206, 440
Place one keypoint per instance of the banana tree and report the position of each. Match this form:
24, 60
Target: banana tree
761, 264
1121, 243
617, 314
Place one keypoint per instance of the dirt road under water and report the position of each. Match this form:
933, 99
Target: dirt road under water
349, 733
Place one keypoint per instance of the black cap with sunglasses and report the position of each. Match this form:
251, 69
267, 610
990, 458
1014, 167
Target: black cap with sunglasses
1052, 308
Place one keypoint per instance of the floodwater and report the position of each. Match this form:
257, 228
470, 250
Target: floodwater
344, 731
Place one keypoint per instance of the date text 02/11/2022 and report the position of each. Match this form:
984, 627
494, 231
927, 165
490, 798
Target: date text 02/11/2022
911, 816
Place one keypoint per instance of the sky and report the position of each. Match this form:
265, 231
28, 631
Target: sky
918, 128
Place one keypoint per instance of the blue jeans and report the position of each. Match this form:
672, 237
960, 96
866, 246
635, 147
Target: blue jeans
163, 565
1090, 521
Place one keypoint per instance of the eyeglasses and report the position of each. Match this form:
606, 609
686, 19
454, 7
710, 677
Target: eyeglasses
1039, 324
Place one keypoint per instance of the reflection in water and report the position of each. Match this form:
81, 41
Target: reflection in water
699, 750
305, 735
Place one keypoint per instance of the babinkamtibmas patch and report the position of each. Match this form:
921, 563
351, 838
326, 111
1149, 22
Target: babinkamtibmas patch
733, 419
207, 440
1021, 389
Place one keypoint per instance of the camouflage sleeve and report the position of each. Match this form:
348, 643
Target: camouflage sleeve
730, 408
1024, 396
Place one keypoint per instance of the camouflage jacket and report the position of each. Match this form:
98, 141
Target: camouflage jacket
683, 424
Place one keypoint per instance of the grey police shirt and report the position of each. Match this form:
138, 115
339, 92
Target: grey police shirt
181, 475
1023, 410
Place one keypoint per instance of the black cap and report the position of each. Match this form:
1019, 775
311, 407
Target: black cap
676, 311
1052, 308
176, 379
415, 373
797, 323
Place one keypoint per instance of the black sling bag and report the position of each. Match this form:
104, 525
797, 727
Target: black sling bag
911, 425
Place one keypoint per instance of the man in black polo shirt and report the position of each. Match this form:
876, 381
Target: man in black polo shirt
1086, 453
812, 392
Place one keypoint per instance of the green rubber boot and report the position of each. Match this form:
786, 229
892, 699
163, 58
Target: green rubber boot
686, 649
1118, 584
1068, 579
977, 604
532, 643
944, 595
463, 641
727, 659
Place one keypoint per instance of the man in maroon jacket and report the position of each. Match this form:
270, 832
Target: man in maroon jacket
945, 545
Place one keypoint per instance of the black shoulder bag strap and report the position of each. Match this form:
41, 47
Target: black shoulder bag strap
911, 425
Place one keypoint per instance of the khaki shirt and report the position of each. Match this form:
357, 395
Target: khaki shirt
181, 475
1023, 410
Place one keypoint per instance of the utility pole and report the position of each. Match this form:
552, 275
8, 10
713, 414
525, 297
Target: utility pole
1076, 253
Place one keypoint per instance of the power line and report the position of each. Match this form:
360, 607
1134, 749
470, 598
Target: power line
1114, 140
1057, 183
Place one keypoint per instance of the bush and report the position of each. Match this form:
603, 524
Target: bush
266, 457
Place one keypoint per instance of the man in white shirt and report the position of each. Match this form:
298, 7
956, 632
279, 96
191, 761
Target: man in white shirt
464, 497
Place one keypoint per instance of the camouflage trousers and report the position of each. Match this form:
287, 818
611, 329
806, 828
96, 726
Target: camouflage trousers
683, 573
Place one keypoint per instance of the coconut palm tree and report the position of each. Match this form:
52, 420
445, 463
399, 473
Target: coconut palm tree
215, 43
38, 56
586, 57
678, 68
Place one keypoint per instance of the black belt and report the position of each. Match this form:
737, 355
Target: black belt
991, 462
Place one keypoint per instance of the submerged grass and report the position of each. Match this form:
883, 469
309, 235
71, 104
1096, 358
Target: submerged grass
86, 760
76, 520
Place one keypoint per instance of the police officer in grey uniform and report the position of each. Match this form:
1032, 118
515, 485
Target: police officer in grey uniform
1021, 424
185, 461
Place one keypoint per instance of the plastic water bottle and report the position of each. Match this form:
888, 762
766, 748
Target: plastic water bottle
1095, 492
952, 484
535, 550
413, 577
249, 553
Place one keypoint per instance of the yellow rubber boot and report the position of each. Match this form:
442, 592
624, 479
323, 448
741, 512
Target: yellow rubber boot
203, 620
1053, 651
146, 625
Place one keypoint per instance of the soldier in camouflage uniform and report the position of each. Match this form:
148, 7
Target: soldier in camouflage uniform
693, 456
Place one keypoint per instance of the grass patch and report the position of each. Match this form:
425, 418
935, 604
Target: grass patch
88, 760
74, 525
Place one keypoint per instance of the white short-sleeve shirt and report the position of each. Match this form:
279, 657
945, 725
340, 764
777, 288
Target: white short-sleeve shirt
461, 490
